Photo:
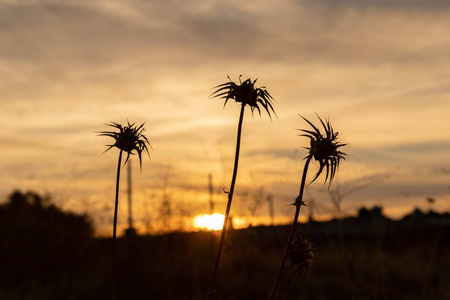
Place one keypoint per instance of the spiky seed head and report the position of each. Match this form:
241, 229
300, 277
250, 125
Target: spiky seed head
325, 149
128, 138
245, 93
301, 253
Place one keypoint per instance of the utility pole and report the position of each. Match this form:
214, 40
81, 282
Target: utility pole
271, 211
130, 231
211, 194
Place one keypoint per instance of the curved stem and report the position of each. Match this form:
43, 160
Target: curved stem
298, 205
230, 199
115, 227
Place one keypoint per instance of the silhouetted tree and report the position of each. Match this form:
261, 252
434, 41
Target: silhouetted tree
39, 242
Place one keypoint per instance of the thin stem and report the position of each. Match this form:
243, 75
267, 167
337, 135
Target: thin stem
115, 227
230, 199
298, 205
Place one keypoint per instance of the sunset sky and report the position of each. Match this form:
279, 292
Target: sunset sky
379, 71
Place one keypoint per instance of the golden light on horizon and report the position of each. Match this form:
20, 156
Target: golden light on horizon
210, 222
354, 76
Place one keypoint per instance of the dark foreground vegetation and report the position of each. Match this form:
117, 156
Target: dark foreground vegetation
49, 254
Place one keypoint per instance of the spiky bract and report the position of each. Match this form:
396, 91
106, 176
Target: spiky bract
245, 93
324, 148
129, 138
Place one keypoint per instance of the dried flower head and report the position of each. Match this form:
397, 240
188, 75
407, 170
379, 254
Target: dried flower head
301, 253
245, 93
129, 138
325, 149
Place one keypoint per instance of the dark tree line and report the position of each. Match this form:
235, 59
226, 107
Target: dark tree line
40, 244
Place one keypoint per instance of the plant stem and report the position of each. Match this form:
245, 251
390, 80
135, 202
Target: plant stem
298, 205
230, 199
114, 228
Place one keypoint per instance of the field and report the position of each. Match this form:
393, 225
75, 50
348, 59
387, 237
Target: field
371, 258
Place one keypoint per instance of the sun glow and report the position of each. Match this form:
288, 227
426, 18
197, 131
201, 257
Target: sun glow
210, 222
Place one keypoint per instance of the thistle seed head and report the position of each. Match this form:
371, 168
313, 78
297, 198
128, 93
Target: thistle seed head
301, 253
324, 148
128, 138
245, 93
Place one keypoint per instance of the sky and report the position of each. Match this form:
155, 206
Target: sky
380, 71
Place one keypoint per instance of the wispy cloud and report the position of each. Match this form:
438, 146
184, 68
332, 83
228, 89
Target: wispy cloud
378, 69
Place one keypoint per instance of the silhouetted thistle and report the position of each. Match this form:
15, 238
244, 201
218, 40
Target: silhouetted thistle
246, 94
300, 254
128, 139
324, 148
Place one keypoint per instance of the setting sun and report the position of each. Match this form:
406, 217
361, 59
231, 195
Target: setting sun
210, 222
